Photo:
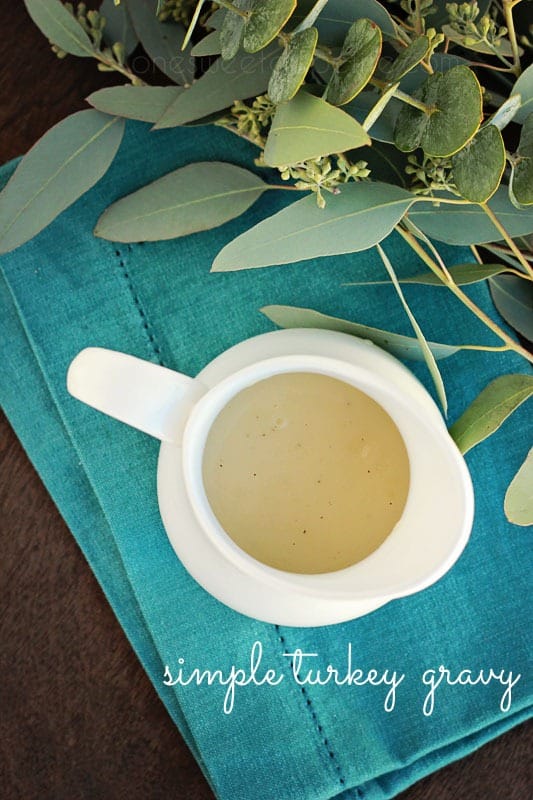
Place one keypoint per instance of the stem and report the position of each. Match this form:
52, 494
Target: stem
504, 250
192, 24
116, 67
419, 250
322, 55
419, 25
450, 201
509, 22
231, 7
405, 98
509, 241
310, 19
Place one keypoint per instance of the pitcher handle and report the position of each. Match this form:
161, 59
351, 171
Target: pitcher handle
146, 396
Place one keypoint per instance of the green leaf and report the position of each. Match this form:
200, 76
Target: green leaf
521, 186
267, 19
232, 30
338, 15
456, 103
360, 216
469, 224
60, 27
524, 87
210, 45
506, 112
408, 58
118, 27
490, 409
194, 198
518, 504
513, 297
503, 47
441, 62
463, 275
308, 127
145, 103
67, 161
223, 83
359, 57
292, 66
395, 343
429, 358
162, 41
478, 167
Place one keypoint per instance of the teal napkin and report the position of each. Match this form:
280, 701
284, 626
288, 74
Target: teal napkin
66, 290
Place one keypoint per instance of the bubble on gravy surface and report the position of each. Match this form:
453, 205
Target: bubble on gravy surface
305, 472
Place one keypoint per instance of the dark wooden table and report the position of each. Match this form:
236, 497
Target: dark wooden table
79, 718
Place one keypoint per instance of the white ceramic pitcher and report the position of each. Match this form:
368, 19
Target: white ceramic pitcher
179, 410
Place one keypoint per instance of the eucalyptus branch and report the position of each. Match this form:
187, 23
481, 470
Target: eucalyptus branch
227, 4
419, 22
508, 239
457, 291
505, 251
405, 98
509, 22
193, 23
113, 65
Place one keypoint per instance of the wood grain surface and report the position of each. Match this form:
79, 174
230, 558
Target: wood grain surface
79, 719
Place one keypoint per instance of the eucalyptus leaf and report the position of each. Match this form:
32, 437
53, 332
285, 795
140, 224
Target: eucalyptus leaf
518, 503
292, 66
490, 409
462, 274
521, 186
478, 167
267, 19
67, 161
210, 45
358, 59
309, 127
469, 224
455, 100
118, 27
407, 59
503, 48
162, 41
395, 343
360, 216
193, 198
338, 15
441, 62
232, 30
428, 356
145, 103
506, 112
60, 27
216, 20
223, 83
513, 297
524, 87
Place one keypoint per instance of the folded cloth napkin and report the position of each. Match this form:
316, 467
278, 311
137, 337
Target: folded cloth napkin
66, 290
